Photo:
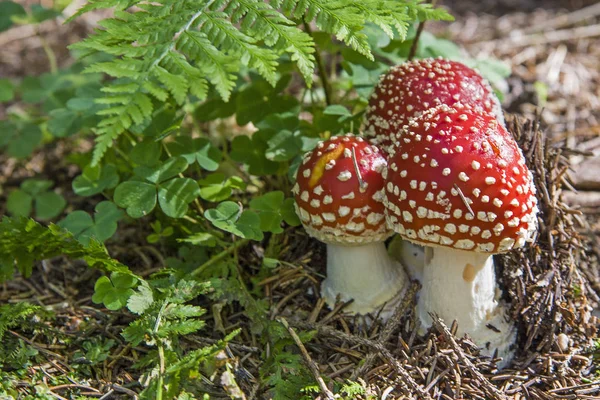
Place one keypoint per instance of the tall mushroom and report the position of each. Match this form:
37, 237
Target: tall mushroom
409, 89
458, 183
338, 195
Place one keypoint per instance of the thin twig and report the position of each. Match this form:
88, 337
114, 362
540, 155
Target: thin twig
314, 369
415, 43
405, 378
486, 385
361, 183
320, 68
464, 199
389, 327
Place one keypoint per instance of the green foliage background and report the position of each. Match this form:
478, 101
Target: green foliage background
200, 111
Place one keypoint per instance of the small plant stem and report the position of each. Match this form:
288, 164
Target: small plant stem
234, 246
320, 69
415, 44
49, 52
161, 354
314, 369
192, 220
122, 154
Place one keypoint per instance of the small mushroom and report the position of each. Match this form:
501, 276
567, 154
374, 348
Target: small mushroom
458, 183
338, 193
409, 89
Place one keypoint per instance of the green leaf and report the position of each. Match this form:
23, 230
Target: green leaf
24, 241
36, 187
168, 169
141, 299
230, 217
200, 239
7, 92
114, 292
284, 146
251, 151
122, 281
175, 195
64, 122
215, 187
288, 212
21, 140
34, 194
41, 14
198, 150
269, 208
147, 152
138, 198
248, 226
101, 227
19, 203
337, 109
8, 10
77, 222
49, 205
95, 180
260, 100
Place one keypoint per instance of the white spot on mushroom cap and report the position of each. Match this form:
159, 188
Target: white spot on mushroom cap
344, 175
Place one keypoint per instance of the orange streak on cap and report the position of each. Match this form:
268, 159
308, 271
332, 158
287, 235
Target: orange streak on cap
319, 168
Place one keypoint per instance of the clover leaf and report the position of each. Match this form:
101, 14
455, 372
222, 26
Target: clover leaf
8, 10
273, 210
7, 90
251, 151
19, 139
114, 292
231, 217
146, 152
284, 146
140, 194
101, 227
216, 188
34, 194
260, 99
95, 180
79, 112
198, 150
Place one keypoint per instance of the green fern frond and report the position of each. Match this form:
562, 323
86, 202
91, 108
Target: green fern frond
24, 241
216, 66
14, 314
173, 48
261, 21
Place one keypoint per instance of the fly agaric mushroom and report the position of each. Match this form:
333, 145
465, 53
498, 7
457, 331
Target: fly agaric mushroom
409, 89
458, 182
338, 195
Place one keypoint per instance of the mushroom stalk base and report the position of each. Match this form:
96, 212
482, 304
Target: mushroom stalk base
365, 274
461, 285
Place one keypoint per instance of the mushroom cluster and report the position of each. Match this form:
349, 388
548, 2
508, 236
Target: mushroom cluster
457, 183
338, 193
442, 171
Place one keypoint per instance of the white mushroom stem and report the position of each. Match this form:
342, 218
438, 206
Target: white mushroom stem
365, 274
461, 285
409, 254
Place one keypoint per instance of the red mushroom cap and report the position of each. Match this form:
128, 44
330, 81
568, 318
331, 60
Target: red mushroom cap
457, 178
333, 203
409, 89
